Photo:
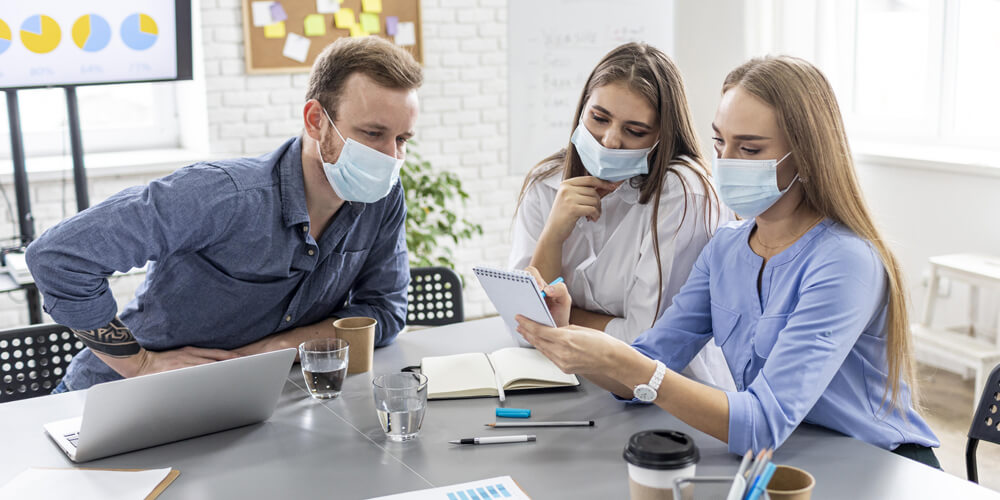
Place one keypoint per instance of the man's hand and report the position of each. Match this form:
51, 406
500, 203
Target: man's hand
156, 362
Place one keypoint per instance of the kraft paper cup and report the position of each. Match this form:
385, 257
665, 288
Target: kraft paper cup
790, 483
359, 332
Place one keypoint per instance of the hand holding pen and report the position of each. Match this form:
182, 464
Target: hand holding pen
556, 297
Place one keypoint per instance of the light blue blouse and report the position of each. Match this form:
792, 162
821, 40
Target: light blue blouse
810, 347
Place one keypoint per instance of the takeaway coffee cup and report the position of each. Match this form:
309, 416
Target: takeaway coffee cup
655, 458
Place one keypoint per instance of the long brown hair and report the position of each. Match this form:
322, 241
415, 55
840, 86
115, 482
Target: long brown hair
650, 73
809, 116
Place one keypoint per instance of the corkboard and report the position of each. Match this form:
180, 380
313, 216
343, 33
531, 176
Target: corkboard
264, 55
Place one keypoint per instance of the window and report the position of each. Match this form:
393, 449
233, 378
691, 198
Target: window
112, 117
909, 72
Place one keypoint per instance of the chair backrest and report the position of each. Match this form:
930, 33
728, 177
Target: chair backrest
33, 360
986, 424
434, 296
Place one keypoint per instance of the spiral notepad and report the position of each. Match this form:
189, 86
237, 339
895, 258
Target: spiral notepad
513, 293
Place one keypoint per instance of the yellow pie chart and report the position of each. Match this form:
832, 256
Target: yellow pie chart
40, 34
4, 36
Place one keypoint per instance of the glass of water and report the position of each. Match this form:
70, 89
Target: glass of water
400, 402
324, 366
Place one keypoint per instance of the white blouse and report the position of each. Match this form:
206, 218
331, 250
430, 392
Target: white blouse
610, 265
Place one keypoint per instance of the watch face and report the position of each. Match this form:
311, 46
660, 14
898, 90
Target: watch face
644, 393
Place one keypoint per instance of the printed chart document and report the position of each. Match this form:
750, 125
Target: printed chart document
38, 483
486, 489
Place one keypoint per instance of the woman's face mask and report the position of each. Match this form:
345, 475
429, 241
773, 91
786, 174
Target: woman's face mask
749, 187
612, 165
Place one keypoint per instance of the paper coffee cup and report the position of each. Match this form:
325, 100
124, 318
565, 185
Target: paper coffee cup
790, 483
655, 458
359, 332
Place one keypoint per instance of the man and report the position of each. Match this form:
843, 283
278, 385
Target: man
252, 254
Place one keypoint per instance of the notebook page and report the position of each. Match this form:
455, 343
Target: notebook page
458, 375
513, 293
522, 368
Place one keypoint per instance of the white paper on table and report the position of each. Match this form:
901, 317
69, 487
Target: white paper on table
406, 34
327, 6
81, 484
261, 13
494, 487
296, 47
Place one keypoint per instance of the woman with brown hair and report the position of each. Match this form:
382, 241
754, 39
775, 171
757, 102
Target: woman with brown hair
804, 296
623, 211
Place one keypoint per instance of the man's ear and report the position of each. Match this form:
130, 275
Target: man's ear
313, 118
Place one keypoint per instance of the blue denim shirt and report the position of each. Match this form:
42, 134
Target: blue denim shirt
810, 347
230, 260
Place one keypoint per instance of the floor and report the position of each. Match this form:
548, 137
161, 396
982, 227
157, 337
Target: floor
948, 401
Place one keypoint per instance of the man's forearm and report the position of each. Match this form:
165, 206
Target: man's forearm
291, 338
115, 345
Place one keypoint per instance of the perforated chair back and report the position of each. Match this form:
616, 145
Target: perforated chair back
986, 423
34, 359
434, 296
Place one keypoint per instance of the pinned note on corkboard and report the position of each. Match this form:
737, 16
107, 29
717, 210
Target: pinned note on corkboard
285, 36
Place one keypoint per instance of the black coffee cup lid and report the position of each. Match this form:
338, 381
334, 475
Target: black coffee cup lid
661, 449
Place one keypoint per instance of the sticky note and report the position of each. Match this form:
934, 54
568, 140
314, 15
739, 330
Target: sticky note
390, 25
327, 6
344, 18
371, 22
406, 34
276, 30
278, 12
357, 31
296, 47
261, 13
373, 6
315, 25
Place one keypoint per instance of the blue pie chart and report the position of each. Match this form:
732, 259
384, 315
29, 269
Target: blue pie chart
139, 31
91, 33
5, 36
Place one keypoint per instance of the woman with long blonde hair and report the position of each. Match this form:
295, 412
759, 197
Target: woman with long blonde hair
623, 211
804, 296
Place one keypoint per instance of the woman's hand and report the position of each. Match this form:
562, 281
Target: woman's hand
577, 197
574, 349
556, 298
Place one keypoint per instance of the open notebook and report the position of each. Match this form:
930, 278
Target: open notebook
472, 374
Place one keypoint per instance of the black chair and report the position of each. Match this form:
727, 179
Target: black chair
33, 360
986, 423
434, 296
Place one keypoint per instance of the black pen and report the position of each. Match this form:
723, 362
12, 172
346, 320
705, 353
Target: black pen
567, 423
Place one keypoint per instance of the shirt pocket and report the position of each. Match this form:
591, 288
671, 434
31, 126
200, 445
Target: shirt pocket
766, 334
723, 323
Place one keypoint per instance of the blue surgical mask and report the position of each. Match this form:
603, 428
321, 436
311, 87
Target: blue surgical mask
612, 165
749, 187
361, 173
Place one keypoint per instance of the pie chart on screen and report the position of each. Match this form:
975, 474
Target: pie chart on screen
40, 34
91, 33
4, 36
139, 31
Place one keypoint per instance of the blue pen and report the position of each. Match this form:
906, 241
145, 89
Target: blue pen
554, 282
760, 484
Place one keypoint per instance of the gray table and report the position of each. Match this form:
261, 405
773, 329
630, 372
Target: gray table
336, 449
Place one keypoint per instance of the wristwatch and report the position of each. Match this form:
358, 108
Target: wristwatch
647, 392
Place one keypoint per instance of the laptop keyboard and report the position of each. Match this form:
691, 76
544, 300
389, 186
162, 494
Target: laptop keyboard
73, 438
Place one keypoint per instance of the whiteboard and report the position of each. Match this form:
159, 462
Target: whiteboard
553, 45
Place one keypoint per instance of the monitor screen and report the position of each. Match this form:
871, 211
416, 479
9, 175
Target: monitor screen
49, 43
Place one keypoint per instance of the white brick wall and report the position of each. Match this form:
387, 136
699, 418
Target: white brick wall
462, 127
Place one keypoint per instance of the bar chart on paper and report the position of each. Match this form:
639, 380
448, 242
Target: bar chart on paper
502, 487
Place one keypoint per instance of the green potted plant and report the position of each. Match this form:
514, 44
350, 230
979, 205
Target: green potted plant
430, 203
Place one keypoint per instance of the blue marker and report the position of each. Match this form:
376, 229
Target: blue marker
554, 282
760, 484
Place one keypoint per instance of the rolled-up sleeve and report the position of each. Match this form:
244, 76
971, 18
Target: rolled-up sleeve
379, 291
71, 261
839, 297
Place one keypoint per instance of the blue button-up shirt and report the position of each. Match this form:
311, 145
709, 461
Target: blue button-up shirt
811, 346
230, 256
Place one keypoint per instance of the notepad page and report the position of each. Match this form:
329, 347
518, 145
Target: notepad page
459, 375
513, 293
83, 484
523, 368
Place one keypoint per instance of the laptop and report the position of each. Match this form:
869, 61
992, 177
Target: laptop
135, 413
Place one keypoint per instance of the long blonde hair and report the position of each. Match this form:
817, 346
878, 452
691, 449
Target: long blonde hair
650, 73
809, 116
